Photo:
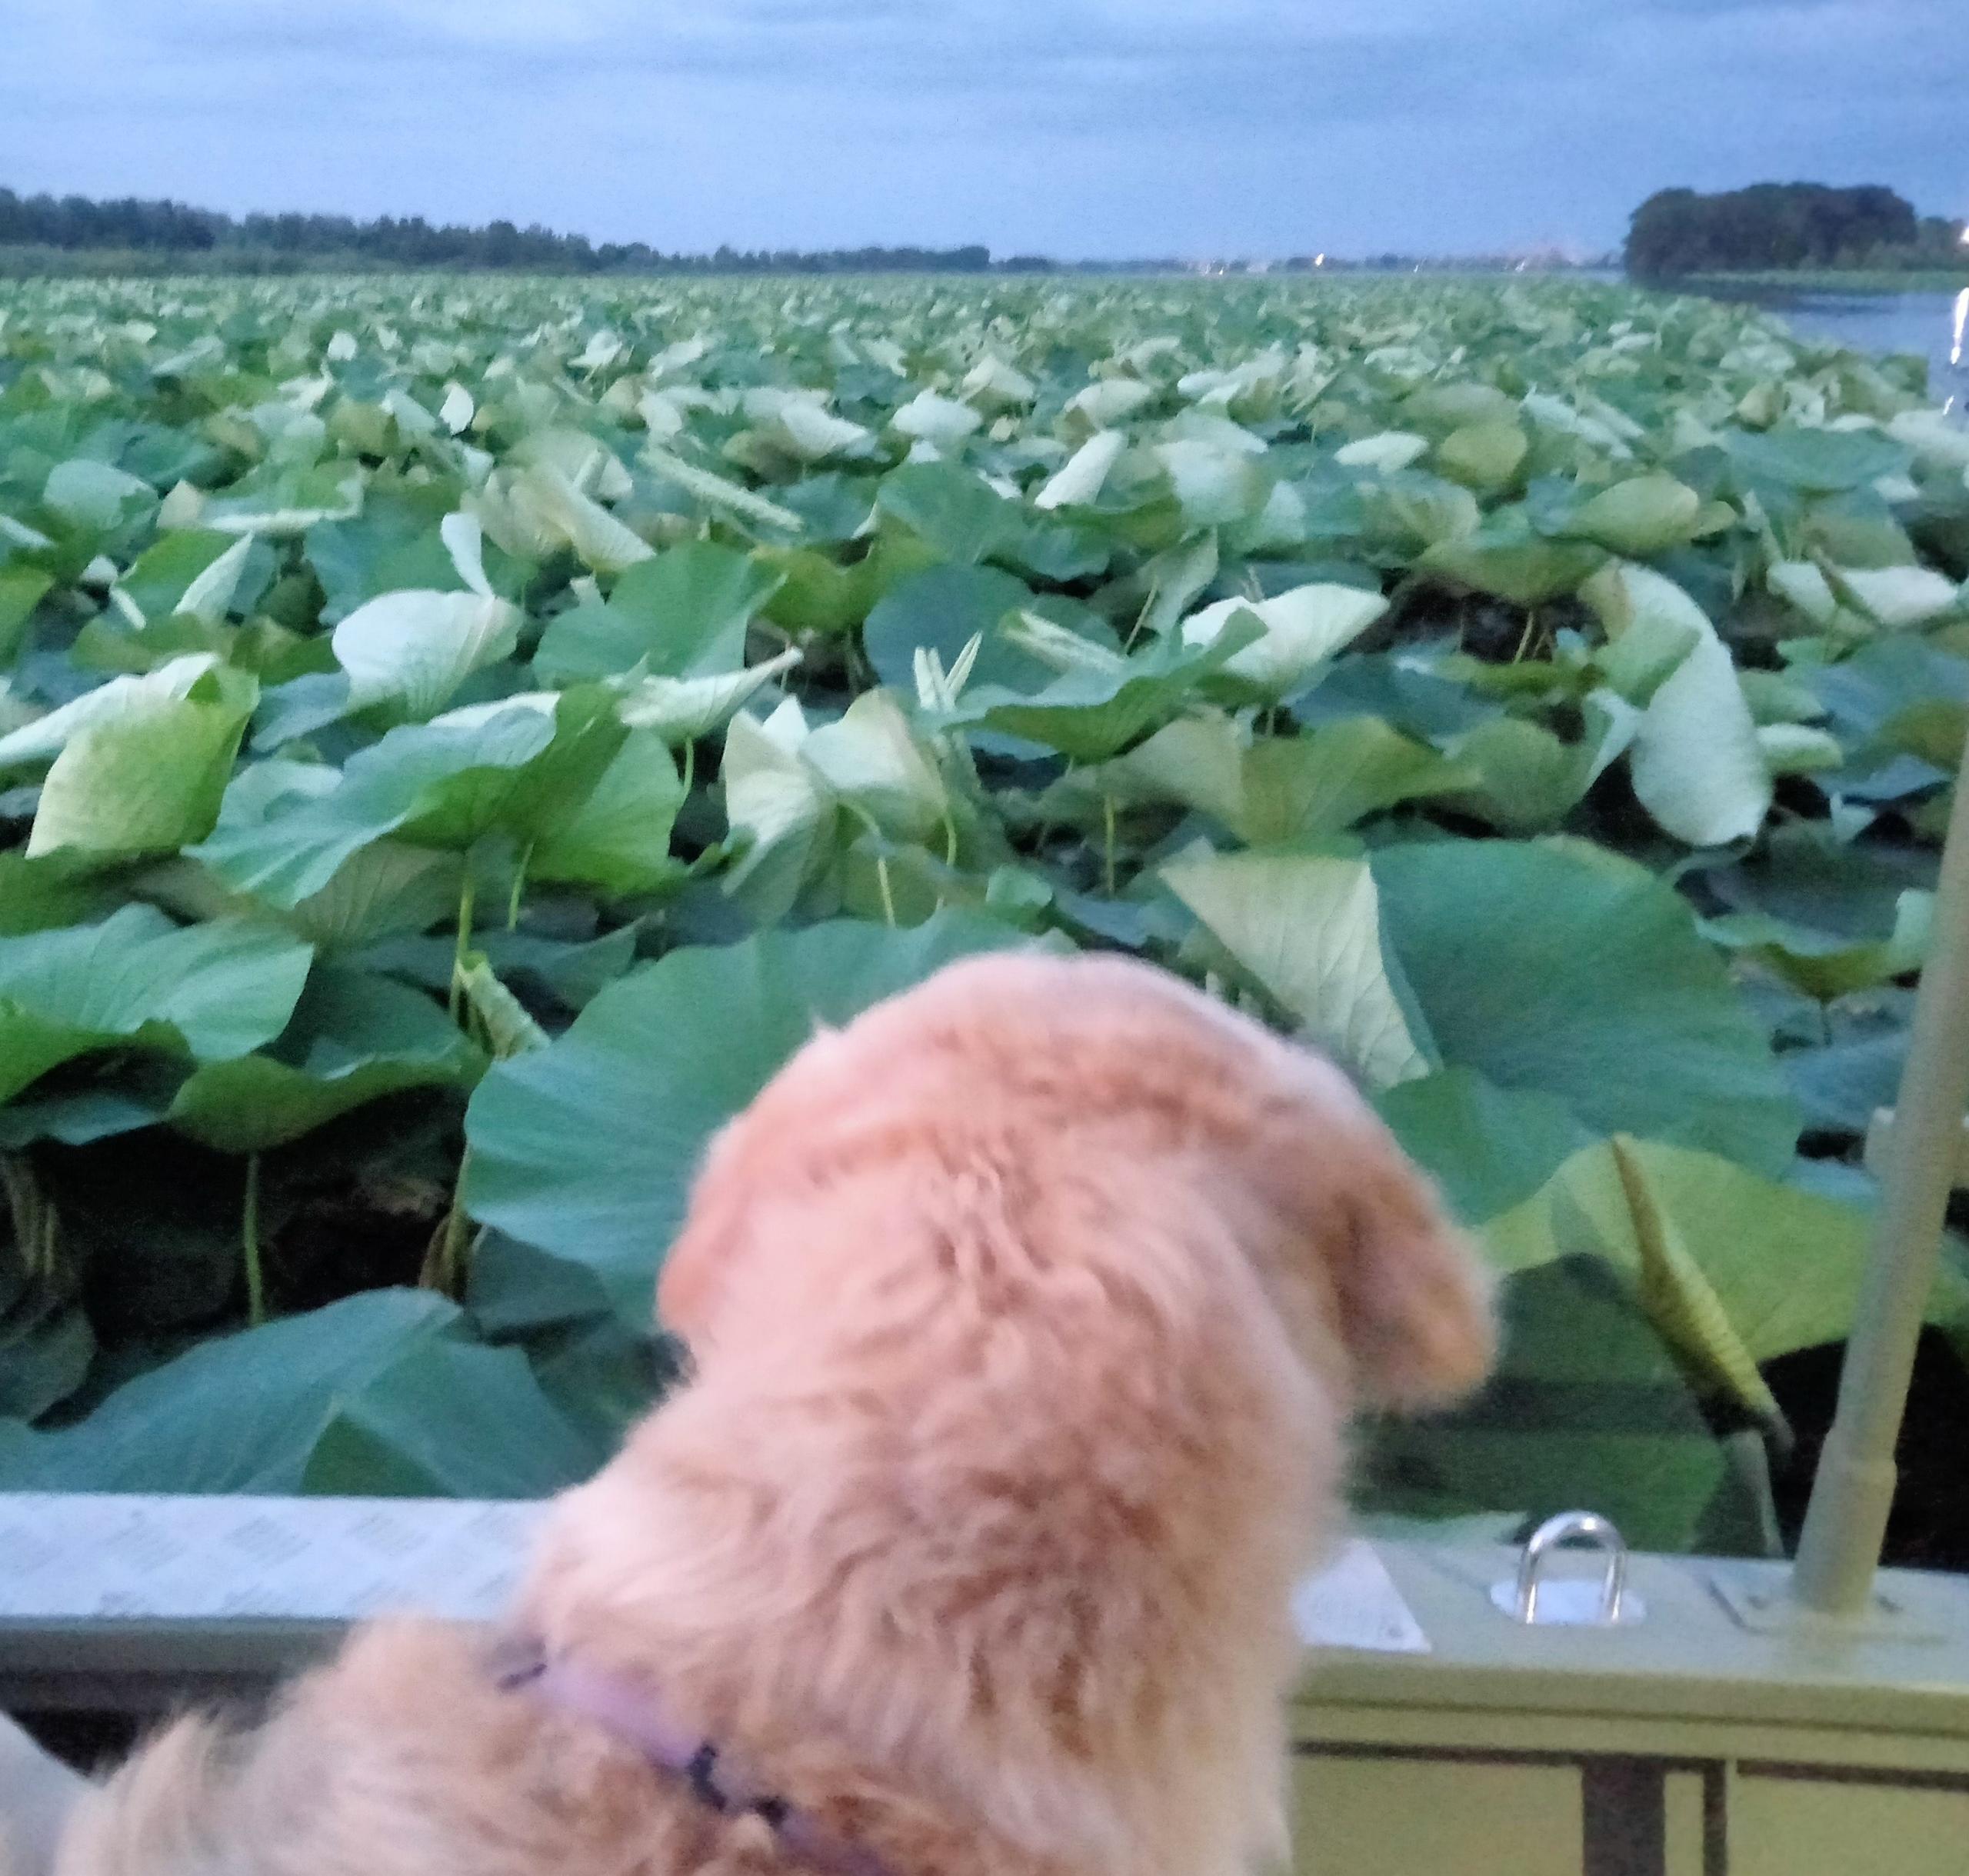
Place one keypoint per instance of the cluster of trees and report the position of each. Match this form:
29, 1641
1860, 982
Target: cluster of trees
72, 225
1784, 225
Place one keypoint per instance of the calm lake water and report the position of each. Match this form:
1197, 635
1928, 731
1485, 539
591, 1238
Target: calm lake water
1936, 326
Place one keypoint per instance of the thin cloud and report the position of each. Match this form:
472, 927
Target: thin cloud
1097, 127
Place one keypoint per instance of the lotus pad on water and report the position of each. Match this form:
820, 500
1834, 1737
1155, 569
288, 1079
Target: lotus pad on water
457, 738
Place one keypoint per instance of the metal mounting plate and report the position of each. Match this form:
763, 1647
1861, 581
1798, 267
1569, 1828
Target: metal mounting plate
1758, 1596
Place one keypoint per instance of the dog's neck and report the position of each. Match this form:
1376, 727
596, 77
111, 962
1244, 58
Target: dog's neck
1027, 1641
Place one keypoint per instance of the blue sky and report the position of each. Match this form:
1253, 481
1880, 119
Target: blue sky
1101, 127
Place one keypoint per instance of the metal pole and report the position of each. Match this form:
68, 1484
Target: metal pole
1846, 1523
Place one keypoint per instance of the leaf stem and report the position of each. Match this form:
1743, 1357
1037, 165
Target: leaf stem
36, 1226
1107, 843
519, 886
1524, 641
468, 889
448, 1261
249, 1245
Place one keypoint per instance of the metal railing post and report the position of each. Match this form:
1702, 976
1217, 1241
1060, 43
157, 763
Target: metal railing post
1846, 1523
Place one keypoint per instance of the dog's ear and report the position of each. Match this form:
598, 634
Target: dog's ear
1415, 1299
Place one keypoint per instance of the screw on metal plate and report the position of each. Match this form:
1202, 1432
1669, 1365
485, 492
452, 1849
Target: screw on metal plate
1575, 1601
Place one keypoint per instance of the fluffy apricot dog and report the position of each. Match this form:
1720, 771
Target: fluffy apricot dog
1027, 1315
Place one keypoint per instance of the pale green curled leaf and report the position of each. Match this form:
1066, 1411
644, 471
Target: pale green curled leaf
1506, 558
931, 418
1652, 645
618, 840
1935, 440
135, 979
148, 780
193, 572
584, 461
781, 812
21, 590
1060, 651
1197, 761
955, 510
1486, 457
1306, 928
1802, 585
716, 492
802, 427
414, 649
1639, 517
1522, 778
994, 382
287, 850
683, 613
1214, 488
873, 760
1827, 964
354, 1038
501, 1014
1103, 701
382, 1393
1679, 1299
1110, 401
1559, 968
1405, 514
96, 496
1388, 452
1799, 749
18, 533
209, 597
1175, 581
287, 502
45, 738
1300, 631
786, 787
544, 502
1453, 405
436, 784
1897, 597
1697, 765
1293, 789
1080, 481
1778, 699
465, 541
1735, 1270
587, 1148
681, 709
1816, 461
943, 609
381, 891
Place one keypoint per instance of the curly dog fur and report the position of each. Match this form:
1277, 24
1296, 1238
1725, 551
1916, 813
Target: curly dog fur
1029, 1313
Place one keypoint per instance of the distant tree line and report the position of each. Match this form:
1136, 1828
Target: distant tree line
1780, 226
72, 224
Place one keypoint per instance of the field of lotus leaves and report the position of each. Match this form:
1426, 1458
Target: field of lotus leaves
456, 737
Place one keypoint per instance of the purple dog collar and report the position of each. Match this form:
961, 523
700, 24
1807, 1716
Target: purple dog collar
636, 1717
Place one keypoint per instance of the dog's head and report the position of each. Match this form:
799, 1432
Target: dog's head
1346, 1234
